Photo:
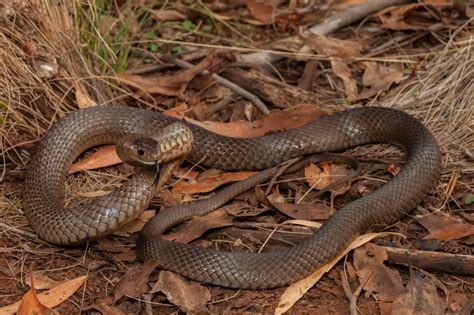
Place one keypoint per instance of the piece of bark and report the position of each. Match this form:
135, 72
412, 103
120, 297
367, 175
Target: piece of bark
432, 261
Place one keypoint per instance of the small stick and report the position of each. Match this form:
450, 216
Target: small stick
231, 85
352, 297
26, 234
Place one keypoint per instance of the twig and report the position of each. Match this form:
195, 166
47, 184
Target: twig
332, 24
231, 85
148, 306
26, 234
352, 297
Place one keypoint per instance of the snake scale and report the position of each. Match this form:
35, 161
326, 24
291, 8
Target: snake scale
82, 129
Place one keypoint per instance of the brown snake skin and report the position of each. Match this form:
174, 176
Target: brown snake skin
44, 189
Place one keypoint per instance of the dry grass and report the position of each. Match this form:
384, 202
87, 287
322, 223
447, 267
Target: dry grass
40, 61
443, 97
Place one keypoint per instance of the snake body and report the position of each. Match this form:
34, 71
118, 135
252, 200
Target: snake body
82, 129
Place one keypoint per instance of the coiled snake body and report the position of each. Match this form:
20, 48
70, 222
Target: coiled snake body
44, 188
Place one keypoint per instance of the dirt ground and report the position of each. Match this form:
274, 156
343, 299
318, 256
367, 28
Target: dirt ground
417, 57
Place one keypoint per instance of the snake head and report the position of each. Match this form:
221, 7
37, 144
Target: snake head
138, 150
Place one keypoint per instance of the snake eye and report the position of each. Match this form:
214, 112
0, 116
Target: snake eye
140, 151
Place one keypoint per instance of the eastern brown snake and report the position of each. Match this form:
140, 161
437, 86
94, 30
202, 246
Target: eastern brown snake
82, 129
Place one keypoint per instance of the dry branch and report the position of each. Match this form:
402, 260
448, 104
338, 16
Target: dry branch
432, 261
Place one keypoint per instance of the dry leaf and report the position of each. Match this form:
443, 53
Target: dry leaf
136, 225
304, 211
102, 306
113, 246
420, 297
167, 15
30, 303
452, 232
83, 99
93, 194
133, 283
276, 121
201, 185
189, 297
261, 11
340, 68
53, 297
170, 84
383, 283
380, 78
198, 225
306, 223
309, 212
306, 80
395, 19
333, 47
41, 281
103, 157
436, 221
326, 174
295, 291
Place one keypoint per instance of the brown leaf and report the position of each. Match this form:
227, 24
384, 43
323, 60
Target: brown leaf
135, 225
93, 194
395, 19
276, 121
133, 283
170, 84
341, 69
103, 157
30, 303
83, 99
104, 308
198, 225
452, 232
189, 297
307, 79
167, 15
456, 302
436, 221
53, 297
304, 211
310, 212
261, 11
201, 185
380, 78
383, 283
333, 47
118, 250
326, 174
41, 281
419, 297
